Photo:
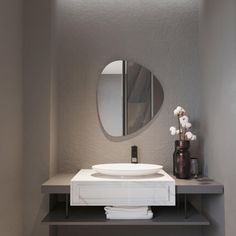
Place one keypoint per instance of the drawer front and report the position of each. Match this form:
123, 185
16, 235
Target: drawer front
137, 194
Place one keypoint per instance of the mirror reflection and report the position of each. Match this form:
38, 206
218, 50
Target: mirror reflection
128, 97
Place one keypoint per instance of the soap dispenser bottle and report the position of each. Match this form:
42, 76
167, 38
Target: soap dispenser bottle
134, 154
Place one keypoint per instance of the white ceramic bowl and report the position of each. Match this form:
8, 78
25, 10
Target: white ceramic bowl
127, 169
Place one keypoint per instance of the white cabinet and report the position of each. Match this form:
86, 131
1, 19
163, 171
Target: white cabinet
90, 188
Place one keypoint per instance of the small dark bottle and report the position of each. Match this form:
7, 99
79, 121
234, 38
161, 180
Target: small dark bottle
194, 168
134, 154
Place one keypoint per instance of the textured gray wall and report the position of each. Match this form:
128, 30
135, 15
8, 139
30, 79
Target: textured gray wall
218, 57
38, 86
11, 117
161, 35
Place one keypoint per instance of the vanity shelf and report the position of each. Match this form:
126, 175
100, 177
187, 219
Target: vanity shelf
60, 183
94, 215
184, 214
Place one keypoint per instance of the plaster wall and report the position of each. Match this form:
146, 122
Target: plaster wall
160, 35
11, 117
218, 66
39, 113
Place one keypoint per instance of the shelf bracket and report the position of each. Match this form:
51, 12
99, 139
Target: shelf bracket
185, 206
67, 206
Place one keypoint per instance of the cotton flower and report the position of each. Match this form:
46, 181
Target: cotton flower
189, 135
172, 130
179, 111
183, 120
177, 131
186, 125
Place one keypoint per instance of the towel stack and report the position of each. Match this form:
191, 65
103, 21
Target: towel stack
128, 213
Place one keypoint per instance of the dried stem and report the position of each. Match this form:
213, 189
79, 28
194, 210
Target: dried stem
179, 128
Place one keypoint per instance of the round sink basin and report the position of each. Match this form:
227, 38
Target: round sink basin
127, 169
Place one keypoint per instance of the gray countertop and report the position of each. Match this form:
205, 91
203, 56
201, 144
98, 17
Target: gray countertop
60, 183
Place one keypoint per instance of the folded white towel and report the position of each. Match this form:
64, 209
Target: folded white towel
129, 216
141, 209
128, 212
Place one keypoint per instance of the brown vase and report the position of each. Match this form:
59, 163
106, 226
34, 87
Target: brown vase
181, 159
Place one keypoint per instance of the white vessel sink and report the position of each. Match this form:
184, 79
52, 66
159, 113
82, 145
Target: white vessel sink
127, 169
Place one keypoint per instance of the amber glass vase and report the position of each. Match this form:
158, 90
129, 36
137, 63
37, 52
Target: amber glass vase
181, 159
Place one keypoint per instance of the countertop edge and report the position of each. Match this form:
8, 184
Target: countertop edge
60, 184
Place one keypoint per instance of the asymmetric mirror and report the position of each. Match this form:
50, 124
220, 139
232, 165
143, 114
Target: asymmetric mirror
128, 97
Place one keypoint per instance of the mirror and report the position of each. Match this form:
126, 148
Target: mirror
129, 96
